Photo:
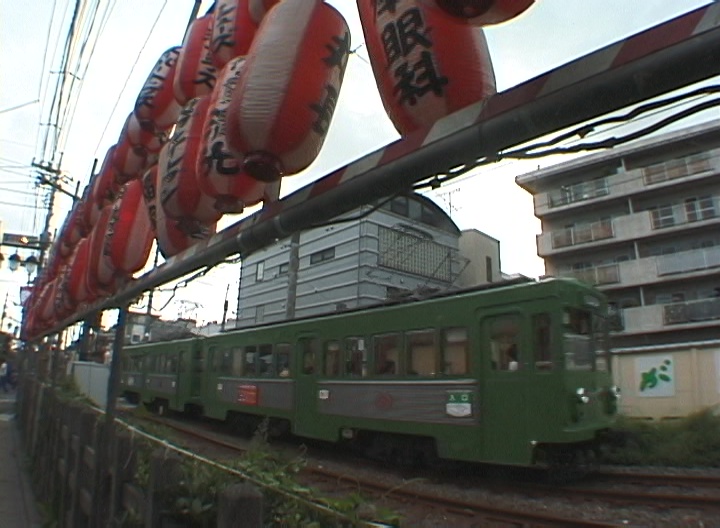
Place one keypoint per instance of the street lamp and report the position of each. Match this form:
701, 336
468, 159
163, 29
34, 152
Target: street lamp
31, 264
14, 262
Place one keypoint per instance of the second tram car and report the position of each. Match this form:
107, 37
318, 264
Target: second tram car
512, 374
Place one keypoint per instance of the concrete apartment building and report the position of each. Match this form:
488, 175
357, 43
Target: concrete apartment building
406, 246
642, 223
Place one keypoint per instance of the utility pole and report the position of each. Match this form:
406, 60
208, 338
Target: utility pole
4, 313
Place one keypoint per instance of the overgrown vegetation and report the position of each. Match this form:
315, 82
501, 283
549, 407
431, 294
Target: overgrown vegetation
688, 442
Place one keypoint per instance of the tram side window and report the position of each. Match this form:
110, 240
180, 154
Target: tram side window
198, 361
214, 359
504, 342
237, 361
332, 359
386, 354
171, 364
577, 343
422, 353
250, 355
182, 361
309, 348
226, 362
455, 348
541, 337
282, 360
264, 362
355, 357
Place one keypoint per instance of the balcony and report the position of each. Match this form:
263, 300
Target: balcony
628, 183
693, 211
691, 311
680, 168
663, 317
597, 276
688, 261
582, 234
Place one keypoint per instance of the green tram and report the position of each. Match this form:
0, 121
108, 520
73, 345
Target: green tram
514, 374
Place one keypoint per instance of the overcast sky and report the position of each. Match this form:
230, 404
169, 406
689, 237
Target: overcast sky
551, 33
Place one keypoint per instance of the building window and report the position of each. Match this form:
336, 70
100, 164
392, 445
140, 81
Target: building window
699, 208
399, 205
283, 268
662, 216
259, 313
322, 256
488, 269
260, 270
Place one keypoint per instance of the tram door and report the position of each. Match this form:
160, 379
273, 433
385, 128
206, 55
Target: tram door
197, 371
504, 411
307, 366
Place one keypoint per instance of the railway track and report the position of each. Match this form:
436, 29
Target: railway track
420, 505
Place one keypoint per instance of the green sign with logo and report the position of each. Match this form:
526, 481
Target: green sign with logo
459, 403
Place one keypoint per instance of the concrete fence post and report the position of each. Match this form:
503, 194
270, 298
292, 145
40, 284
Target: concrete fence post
240, 505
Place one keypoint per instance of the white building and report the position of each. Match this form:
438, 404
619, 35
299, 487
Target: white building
406, 246
642, 223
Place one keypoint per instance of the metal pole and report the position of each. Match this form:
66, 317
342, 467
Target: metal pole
115, 365
293, 266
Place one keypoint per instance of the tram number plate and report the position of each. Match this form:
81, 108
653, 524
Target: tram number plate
247, 394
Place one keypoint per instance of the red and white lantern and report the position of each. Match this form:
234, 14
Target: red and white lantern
101, 190
78, 265
426, 64
128, 161
180, 195
219, 172
156, 107
283, 104
195, 72
171, 240
482, 12
236, 22
129, 233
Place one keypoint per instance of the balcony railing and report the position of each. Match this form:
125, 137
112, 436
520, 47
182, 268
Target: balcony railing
685, 213
581, 234
691, 311
685, 261
598, 275
578, 192
677, 168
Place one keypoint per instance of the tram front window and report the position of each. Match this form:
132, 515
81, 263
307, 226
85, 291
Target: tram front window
577, 340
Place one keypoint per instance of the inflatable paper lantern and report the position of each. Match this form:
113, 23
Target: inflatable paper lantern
146, 137
195, 72
180, 195
156, 107
426, 64
101, 190
219, 172
46, 302
129, 233
236, 22
128, 161
78, 264
482, 12
100, 272
64, 305
283, 104
72, 231
171, 240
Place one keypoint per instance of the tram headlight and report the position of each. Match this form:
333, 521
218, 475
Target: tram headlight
582, 395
